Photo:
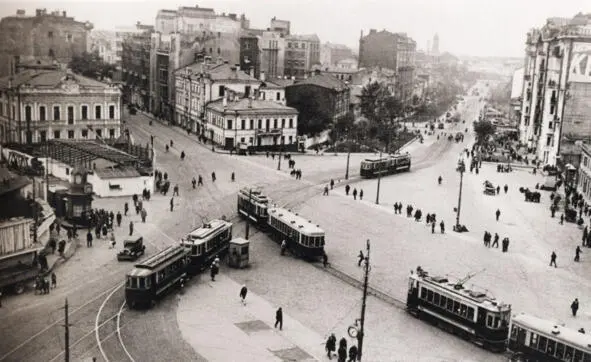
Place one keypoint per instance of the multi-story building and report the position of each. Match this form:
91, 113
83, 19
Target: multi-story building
516, 93
282, 27
584, 172
103, 43
250, 54
331, 54
332, 94
262, 124
556, 111
200, 83
36, 106
301, 54
53, 36
262, 51
395, 51
135, 66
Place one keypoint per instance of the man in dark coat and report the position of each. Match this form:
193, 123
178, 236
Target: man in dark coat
498, 214
279, 318
119, 217
88, 238
130, 228
243, 292
575, 307
331, 345
347, 188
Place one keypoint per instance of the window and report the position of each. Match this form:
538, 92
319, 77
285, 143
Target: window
70, 114
69, 37
97, 112
229, 124
219, 51
251, 123
260, 125
242, 139
111, 133
552, 109
289, 45
551, 125
283, 123
274, 123
84, 133
250, 139
56, 134
43, 135
50, 34
221, 91
436, 299
28, 113
247, 91
56, 113
50, 53
268, 124
548, 140
430, 296
99, 132
243, 124
291, 123
291, 141
1, 109
111, 112
278, 96
70, 134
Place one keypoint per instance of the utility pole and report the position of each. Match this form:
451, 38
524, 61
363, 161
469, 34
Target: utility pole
348, 156
280, 151
360, 335
67, 333
248, 216
379, 180
47, 171
35, 213
461, 169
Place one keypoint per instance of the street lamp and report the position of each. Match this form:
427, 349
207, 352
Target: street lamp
280, 151
461, 169
380, 165
348, 154
357, 330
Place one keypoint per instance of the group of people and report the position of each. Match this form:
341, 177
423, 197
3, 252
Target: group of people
495, 244
331, 347
354, 193
42, 285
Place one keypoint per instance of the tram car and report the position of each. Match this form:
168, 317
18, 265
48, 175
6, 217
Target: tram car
470, 313
252, 204
537, 339
207, 242
303, 238
386, 165
153, 277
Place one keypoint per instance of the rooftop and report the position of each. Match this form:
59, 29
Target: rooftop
10, 181
306, 37
117, 172
220, 72
280, 81
296, 221
324, 81
49, 78
245, 105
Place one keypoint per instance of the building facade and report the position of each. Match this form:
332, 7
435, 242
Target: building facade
256, 123
54, 35
301, 54
584, 172
395, 51
332, 94
331, 54
135, 67
250, 55
555, 109
104, 44
36, 106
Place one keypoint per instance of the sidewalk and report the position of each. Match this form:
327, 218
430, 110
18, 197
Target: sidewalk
214, 322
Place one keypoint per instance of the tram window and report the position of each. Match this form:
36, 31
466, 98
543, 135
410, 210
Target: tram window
436, 299
423, 293
578, 356
463, 311
443, 301
470, 315
456, 307
497, 322
551, 347
450, 304
128, 282
586, 357
142, 283
430, 296
148, 282
533, 342
542, 343
134, 283
489, 321
559, 350
568, 353
514, 332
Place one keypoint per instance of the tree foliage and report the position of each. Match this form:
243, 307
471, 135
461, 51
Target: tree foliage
372, 97
483, 130
91, 65
313, 118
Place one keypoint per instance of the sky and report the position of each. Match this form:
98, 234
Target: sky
465, 27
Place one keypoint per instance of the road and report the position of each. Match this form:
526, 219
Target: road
92, 279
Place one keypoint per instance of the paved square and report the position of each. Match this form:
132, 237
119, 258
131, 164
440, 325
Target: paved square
252, 326
293, 354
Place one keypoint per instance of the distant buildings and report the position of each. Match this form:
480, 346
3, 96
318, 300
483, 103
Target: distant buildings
331, 54
135, 67
556, 107
394, 51
516, 93
40, 105
301, 54
435, 48
49, 36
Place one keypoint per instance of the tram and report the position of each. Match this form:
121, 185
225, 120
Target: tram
385, 166
207, 242
470, 313
536, 339
303, 238
253, 204
153, 277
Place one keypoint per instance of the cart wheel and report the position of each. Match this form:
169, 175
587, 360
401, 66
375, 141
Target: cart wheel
19, 288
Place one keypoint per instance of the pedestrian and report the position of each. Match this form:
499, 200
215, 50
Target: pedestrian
505, 244
439, 179
331, 345
433, 227
213, 177
130, 228
442, 227
143, 213
243, 292
214, 271
355, 194
97, 232
495, 243
562, 219
113, 242
53, 280
182, 155
171, 203
324, 259
325, 193
193, 182
498, 189
283, 247
506, 188
175, 191
553, 259
585, 235
361, 257
233, 177
342, 354
88, 239
574, 307
105, 231
118, 217
347, 188
171, 144
279, 318
577, 254
361, 194
331, 184
353, 353
200, 181
498, 214
125, 208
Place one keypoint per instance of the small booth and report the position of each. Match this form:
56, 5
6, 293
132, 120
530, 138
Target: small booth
238, 257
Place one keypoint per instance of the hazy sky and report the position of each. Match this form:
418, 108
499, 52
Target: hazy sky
465, 27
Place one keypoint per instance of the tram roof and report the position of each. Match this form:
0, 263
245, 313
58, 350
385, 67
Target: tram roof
297, 222
475, 294
558, 332
255, 195
208, 229
164, 256
388, 157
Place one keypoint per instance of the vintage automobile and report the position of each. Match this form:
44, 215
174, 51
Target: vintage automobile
132, 249
489, 188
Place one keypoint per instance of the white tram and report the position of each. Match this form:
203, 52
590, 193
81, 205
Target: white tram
254, 205
470, 313
537, 339
302, 236
207, 242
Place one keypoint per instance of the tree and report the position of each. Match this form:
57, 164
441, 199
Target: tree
372, 97
390, 108
483, 130
312, 118
91, 65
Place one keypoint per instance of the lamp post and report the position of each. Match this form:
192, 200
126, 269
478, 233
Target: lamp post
280, 151
461, 169
381, 170
348, 155
361, 332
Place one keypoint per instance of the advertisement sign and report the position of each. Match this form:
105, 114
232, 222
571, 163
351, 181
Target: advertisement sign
580, 65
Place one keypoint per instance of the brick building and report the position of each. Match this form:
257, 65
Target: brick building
555, 109
135, 66
301, 54
250, 54
39, 105
395, 51
54, 36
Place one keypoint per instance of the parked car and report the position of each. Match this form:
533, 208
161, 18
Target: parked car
550, 184
132, 249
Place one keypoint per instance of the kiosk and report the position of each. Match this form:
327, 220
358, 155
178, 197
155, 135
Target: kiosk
238, 256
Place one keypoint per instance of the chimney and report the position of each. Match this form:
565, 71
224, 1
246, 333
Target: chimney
262, 76
64, 14
372, 31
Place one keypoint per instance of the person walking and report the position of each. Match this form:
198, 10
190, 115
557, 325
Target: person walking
193, 182
175, 191
577, 254
214, 271
442, 227
433, 227
361, 194
562, 219
88, 239
361, 257
331, 184
279, 318
283, 247
439, 179
498, 214
355, 194
113, 242
200, 181
353, 352
347, 189
125, 209
243, 292
172, 203
233, 176
53, 280
342, 354
130, 228
506, 188
143, 213
119, 218
574, 307
325, 193
331, 345
553, 259
213, 177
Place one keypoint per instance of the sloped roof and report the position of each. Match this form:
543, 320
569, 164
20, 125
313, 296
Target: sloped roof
119, 172
10, 181
257, 106
49, 78
220, 72
323, 80
281, 82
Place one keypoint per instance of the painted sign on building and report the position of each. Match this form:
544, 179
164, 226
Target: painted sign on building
580, 65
